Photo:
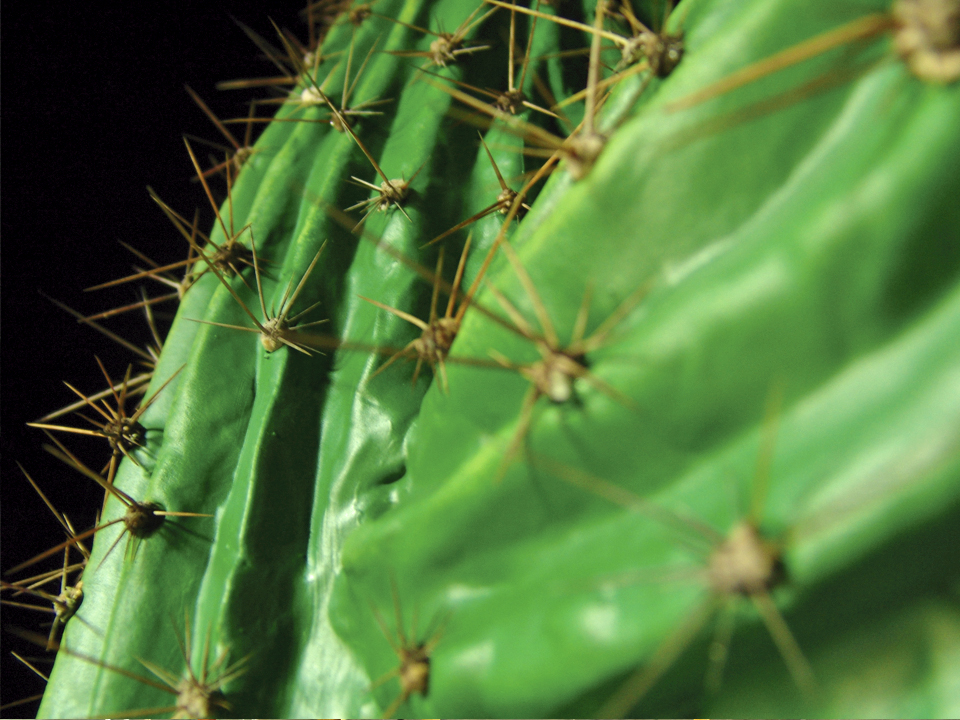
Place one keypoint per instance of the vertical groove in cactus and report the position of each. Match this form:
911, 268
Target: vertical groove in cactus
765, 283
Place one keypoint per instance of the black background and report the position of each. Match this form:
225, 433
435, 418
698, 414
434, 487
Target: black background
93, 111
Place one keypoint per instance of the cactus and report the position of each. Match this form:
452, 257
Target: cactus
732, 334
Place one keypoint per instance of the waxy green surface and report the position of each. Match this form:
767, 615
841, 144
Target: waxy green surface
809, 241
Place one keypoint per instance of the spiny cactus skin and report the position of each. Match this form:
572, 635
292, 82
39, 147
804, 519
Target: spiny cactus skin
804, 240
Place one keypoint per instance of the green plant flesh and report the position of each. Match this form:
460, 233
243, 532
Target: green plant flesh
796, 237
